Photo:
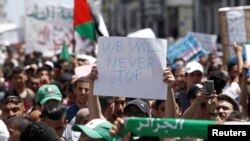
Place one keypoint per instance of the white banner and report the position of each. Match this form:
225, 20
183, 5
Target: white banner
131, 67
236, 26
48, 23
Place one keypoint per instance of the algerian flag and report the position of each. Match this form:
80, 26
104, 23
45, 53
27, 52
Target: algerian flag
87, 20
168, 127
64, 55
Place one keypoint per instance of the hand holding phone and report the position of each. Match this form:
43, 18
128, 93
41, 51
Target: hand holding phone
209, 87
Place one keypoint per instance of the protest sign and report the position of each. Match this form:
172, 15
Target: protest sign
47, 25
187, 48
234, 24
208, 41
131, 67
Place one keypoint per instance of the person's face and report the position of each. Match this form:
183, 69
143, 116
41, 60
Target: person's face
161, 110
194, 78
12, 109
180, 77
34, 83
119, 105
81, 92
57, 125
134, 111
44, 77
14, 133
224, 109
18, 80
83, 137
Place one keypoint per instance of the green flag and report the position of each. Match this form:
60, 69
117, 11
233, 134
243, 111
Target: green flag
168, 127
64, 55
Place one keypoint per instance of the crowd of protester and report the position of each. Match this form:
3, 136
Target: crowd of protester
42, 99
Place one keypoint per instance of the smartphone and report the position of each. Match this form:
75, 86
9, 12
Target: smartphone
209, 86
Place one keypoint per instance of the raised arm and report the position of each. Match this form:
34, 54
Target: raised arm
244, 95
93, 100
170, 103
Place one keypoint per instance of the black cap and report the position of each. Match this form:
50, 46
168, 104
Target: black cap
142, 105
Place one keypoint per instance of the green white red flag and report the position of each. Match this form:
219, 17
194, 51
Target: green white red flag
88, 20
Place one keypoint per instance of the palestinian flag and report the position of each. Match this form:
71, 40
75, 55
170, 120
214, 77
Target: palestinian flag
87, 20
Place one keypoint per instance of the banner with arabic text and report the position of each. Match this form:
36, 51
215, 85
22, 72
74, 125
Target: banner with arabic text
47, 25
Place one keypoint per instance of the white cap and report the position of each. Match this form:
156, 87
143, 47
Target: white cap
49, 63
91, 59
193, 66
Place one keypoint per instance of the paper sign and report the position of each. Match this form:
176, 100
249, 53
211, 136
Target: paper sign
144, 33
48, 24
83, 71
131, 67
236, 26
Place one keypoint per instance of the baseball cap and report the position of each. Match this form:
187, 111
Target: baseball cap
193, 66
89, 58
230, 100
142, 105
95, 129
49, 64
47, 92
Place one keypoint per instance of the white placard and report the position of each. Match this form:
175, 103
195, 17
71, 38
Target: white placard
47, 25
236, 26
131, 67
247, 51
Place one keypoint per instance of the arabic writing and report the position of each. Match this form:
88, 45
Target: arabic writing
156, 126
56, 35
47, 26
49, 12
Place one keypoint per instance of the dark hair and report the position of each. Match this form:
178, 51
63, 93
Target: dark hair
81, 80
11, 96
230, 65
235, 116
105, 101
11, 92
54, 111
17, 70
38, 131
193, 91
19, 122
158, 103
219, 79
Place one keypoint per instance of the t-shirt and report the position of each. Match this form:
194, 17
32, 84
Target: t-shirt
183, 100
71, 112
4, 133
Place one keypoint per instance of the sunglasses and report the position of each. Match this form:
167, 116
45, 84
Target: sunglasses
12, 99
